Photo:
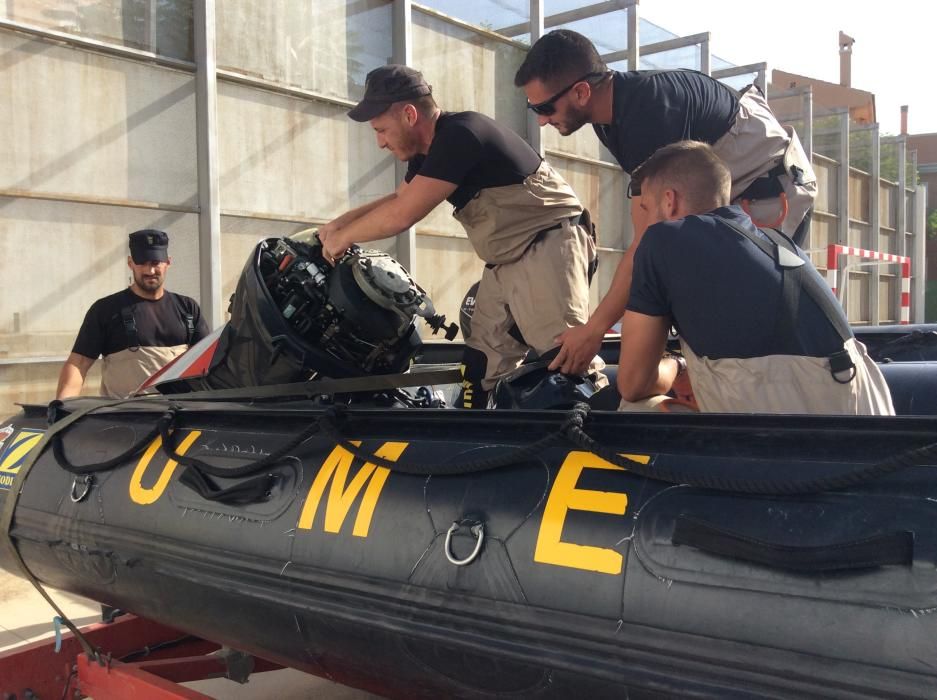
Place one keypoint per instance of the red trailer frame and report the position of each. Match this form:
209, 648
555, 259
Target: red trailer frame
167, 657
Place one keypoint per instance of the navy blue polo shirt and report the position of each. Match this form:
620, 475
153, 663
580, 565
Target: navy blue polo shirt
721, 291
654, 108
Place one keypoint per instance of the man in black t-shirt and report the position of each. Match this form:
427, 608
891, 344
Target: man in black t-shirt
521, 217
137, 330
634, 114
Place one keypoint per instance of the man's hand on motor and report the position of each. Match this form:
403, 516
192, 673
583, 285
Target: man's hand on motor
333, 243
580, 345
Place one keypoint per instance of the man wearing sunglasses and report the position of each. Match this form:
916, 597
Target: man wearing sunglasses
634, 114
523, 220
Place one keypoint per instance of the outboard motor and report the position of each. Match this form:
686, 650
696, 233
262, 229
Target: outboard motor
295, 316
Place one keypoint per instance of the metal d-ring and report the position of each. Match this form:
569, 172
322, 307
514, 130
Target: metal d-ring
478, 529
87, 480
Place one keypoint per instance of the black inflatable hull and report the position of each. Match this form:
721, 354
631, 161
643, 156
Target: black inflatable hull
588, 582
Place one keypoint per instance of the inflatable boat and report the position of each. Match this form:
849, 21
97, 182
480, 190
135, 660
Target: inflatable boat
352, 527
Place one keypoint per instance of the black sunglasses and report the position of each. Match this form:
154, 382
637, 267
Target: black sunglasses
634, 189
548, 107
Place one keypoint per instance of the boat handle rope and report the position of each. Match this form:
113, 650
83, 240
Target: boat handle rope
572, 431
477, 528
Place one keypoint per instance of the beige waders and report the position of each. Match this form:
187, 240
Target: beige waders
536, 275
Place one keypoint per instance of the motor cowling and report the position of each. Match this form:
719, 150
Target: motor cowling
294, 316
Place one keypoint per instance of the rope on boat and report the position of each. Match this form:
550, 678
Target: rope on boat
570, 431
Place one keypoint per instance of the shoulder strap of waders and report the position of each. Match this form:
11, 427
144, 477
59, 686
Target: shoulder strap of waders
9, 508
187, 318
783, 252
130, 327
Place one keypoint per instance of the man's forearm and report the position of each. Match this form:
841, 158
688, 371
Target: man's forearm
72, 376
612, 307
71, 380
354, 214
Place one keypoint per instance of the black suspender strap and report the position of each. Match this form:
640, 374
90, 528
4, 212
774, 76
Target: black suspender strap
130, 328
782, 250
187, 318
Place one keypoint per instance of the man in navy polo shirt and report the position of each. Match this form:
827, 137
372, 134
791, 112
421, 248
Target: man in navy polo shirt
760, 329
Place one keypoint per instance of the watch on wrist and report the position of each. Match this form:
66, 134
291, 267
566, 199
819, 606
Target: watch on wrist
681, 363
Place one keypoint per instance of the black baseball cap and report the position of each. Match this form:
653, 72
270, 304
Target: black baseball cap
386, 85
149, 244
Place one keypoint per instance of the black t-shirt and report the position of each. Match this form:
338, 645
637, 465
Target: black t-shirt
474, 152
159, 323
722, 292
651, 109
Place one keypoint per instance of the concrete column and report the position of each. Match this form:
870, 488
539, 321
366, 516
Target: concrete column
705, 57
402, 42
206, 127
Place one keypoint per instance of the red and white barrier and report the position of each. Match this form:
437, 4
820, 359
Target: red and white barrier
833, 252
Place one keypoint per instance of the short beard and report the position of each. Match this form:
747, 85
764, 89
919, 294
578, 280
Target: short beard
147, 285
576, 118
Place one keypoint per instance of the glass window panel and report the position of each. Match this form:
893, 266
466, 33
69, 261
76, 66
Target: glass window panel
137, 143
160, 26
488, 14
295, 158
469, 70
327, 46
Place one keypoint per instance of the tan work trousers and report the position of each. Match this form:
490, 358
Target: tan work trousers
754, 145
545, 291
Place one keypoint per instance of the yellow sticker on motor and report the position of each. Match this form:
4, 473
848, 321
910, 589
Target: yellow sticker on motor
13, 457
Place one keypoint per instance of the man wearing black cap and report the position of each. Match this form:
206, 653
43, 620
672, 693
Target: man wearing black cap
520, 216
137, 330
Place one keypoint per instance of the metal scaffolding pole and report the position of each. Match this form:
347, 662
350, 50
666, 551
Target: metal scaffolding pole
919, 257
536, 31
875, 223
206, 126
634, 39
402, 42
806, 136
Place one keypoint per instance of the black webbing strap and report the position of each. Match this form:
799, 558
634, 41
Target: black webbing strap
130, 328
187, 319
794, 279
896, 548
